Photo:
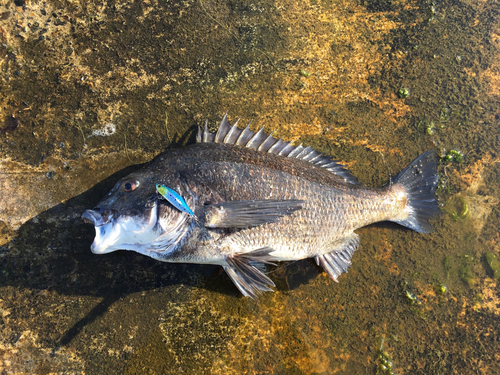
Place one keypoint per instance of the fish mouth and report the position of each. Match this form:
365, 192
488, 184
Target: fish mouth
98, 218
120, 232
103, 222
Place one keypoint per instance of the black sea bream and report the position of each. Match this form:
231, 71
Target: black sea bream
255, 200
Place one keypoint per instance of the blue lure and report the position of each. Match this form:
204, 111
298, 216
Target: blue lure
174, 199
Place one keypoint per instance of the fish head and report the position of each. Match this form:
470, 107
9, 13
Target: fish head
133, 217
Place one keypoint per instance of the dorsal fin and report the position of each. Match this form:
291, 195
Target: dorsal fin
231, 134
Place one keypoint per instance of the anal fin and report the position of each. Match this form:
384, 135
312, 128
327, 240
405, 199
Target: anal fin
245, 270
339, 259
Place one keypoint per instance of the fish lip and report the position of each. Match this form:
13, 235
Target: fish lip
98, 218
90, 216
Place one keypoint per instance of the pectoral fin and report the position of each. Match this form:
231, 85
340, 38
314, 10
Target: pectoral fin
244, 214
243, 269
336, 262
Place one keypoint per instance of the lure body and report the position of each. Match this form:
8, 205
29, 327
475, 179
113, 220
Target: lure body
174, 198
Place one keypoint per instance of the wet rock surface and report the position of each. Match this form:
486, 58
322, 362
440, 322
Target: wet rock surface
91, 90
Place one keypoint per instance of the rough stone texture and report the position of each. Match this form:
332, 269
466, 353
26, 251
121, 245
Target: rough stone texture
95, 88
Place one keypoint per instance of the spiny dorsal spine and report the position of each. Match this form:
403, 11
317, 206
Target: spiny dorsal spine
232, 135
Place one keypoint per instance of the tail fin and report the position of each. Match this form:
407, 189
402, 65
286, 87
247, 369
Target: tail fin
420, 180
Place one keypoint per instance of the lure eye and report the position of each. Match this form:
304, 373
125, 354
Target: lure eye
130, 185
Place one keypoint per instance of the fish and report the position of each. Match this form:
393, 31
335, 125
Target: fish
250, 200
173, 198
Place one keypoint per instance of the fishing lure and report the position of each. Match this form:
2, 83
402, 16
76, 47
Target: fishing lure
174, 199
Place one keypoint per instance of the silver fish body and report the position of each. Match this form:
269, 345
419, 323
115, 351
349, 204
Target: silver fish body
257, 200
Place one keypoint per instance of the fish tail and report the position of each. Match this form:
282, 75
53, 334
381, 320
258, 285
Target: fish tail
419, 180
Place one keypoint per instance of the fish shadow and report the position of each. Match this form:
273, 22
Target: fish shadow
52, 252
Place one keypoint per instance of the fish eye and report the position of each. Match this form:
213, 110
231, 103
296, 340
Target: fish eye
130, 185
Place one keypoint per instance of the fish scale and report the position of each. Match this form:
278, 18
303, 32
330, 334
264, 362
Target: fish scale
255, 200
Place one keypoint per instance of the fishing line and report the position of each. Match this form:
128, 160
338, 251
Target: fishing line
126, 149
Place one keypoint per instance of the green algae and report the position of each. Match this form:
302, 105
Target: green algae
465, 271
305, 73
454, 156
457, 208
403, 92
385, 362
494, 264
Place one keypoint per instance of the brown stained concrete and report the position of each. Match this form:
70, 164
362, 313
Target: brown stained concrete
325, 73
32, 190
